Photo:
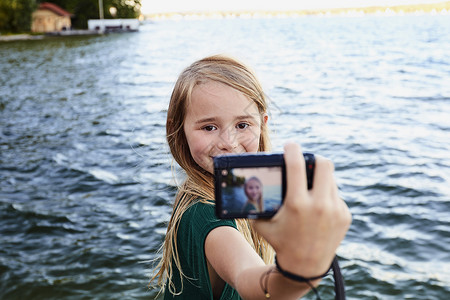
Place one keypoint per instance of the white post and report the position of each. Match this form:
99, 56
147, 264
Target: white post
100, 9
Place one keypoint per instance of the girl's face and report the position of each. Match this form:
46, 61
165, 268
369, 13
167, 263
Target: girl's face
253, 189
220, 120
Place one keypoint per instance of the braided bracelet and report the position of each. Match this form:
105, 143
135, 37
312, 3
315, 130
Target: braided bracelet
264, 281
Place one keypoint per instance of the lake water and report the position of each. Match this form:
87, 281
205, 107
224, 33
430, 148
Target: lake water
85, 180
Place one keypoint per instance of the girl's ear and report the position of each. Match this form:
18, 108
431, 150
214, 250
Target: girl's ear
265, 118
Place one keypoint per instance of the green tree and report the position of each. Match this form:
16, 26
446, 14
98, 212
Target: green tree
125, 8
83, 10
15, 15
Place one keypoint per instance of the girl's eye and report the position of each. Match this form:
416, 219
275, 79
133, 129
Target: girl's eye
209, 128
242, 125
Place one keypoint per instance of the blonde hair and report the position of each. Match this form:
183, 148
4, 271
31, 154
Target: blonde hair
259, 201
199, 185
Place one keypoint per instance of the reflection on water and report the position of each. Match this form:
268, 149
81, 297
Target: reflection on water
85, 181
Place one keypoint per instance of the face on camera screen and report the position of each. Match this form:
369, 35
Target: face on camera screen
251, 191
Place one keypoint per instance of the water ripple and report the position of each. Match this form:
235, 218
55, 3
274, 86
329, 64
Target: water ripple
86, 184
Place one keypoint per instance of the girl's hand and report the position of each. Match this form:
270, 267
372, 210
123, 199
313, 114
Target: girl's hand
311, 224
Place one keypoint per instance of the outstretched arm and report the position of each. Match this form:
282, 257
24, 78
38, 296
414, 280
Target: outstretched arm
305, 234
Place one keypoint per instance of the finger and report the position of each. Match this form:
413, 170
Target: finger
296, 184
324, 183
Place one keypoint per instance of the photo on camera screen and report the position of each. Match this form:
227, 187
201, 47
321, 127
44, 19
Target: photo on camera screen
250, 192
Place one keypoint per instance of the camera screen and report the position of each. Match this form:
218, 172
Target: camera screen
250, 192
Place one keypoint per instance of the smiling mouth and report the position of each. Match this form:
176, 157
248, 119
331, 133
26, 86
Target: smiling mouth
230, 152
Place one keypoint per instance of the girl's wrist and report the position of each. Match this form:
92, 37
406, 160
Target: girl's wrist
297, 277
308, 267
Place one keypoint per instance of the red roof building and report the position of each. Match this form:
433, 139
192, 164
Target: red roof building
50, 17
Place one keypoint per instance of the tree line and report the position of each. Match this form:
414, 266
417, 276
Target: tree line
15, 15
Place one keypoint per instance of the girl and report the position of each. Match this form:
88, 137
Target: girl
253, 189
218, 106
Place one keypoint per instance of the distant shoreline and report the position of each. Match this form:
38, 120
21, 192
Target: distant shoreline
20, 37
27, 36
442, 8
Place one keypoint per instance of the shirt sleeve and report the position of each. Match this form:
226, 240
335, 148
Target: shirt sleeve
195, 225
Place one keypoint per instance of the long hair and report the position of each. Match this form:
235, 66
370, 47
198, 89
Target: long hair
199, 184
259, 201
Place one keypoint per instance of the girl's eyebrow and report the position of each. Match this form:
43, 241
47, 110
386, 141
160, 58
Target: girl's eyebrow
213, 119
205, 120
243, 117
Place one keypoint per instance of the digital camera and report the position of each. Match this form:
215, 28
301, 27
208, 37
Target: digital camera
253, 185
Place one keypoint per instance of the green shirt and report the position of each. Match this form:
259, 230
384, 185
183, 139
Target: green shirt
195, 224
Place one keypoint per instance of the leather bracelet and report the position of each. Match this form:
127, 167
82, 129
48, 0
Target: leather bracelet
296, 277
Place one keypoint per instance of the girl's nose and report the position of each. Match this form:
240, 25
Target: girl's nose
227, 141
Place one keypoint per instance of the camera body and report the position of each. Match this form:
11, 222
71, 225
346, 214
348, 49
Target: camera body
253, 185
